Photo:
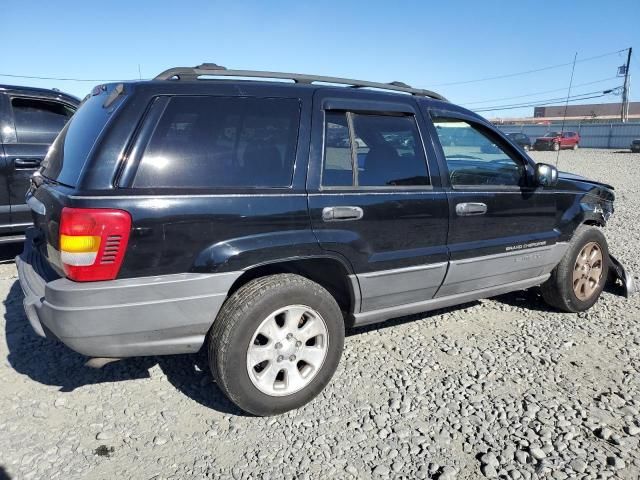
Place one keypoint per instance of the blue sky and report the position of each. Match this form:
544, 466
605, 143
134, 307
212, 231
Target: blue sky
425, 44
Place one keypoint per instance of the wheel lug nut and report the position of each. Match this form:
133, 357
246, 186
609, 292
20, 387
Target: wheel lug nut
278, 346
292, 358
289, 336
280, 358
298, 343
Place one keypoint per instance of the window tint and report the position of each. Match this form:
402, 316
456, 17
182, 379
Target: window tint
473, 159
389, 151
222, 142
68, 153
338, 170
39, 121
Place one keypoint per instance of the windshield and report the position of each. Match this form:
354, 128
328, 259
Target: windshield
553, 134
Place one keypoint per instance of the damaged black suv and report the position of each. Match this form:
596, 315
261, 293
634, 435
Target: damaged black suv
219, 208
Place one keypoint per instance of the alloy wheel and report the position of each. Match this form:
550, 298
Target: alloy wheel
587, 272
287, 350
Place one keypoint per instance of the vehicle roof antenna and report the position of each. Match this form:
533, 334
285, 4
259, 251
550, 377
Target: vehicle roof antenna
566, 105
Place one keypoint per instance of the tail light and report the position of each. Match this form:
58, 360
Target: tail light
93, 242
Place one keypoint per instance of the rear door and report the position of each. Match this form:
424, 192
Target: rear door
375, 196
36, 123
502, 229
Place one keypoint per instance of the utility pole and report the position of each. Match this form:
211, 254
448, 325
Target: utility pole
624, 111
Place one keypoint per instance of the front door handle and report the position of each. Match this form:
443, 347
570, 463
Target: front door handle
470, 209
27, 163
341, 214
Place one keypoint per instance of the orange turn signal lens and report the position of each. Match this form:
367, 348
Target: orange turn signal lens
79, 243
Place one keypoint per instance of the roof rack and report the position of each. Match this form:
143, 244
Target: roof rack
211, 69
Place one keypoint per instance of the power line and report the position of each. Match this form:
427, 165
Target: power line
509, 75
526, 72
63, 79
575, 98
538, 93
543, 101
538, 105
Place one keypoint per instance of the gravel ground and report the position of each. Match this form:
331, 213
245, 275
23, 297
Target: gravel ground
497, 388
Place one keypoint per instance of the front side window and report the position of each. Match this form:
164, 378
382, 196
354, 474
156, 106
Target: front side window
203, 142
37, 120
474, 159
386, 151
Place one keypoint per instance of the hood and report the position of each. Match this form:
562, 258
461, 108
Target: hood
572, 177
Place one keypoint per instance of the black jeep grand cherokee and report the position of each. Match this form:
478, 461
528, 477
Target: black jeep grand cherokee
265, 217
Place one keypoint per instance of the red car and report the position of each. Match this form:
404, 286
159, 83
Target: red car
557, 140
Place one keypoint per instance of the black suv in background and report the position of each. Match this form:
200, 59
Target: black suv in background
266, 217
30, 119
521, 139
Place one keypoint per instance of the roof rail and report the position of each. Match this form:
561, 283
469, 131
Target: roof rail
211, 69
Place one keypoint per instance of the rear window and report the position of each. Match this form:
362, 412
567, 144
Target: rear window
69, 151
204, 142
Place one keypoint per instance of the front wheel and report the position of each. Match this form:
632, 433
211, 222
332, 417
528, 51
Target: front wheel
577, 281
556, 147
526, 148
276, 343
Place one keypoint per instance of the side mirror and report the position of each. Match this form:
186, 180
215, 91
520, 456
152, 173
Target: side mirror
546, 175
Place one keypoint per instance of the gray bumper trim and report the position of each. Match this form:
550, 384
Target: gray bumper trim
128, 317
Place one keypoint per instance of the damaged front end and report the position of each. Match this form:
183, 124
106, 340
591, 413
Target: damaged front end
619, 278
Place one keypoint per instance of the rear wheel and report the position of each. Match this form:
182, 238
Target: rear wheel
276, 343
575, 146
578, 280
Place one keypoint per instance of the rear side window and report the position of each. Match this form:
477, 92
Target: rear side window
204, 142
37, 120
386, 151
67, 155
338, 170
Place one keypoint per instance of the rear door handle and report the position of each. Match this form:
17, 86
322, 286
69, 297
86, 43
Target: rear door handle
26, 163
470, 209
341, 214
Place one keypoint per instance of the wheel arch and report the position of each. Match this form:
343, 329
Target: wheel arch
330, 272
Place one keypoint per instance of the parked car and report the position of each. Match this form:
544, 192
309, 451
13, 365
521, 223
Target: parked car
521, 139
557, 141
30, 119
174, 214
635, 146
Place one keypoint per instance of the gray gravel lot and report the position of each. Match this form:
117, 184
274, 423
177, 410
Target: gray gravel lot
497, 388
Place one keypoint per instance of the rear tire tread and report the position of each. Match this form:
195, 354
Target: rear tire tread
233, 310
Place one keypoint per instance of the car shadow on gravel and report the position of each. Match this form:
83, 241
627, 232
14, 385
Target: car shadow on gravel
7, 253
531, 299
3, 474
50, 362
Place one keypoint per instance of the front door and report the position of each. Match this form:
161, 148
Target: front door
502, 227
375, 197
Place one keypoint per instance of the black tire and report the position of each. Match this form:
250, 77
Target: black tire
558, 290
241, 316
575, 146
556, 147
526, 148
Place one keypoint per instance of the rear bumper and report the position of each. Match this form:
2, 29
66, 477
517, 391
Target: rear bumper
122, 318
